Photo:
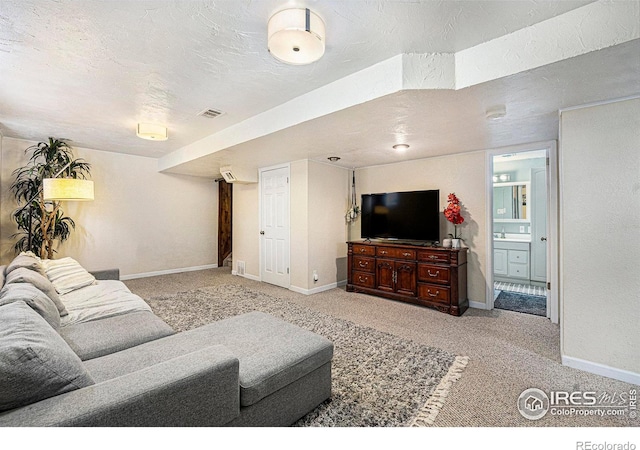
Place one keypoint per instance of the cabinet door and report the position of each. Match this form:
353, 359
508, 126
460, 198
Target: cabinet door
500, 262
406, 278
384, 275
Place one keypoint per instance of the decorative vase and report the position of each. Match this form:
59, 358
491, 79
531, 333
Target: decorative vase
446, 243
456, 243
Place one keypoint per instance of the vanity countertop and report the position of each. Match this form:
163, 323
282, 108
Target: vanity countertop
509, 237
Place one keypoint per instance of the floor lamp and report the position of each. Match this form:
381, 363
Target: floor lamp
59, 189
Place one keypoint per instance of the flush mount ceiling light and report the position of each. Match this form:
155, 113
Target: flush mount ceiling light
401, 147
333, 158
496, 112
152, 132
296, 36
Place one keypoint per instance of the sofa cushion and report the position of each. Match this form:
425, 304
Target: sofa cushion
67, 274
24, 275
113, 334
27, 260
35, 362
272, 353
34, 298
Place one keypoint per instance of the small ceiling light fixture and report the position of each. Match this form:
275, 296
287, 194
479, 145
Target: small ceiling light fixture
333, 158
296, 36
496, 112
401, 147
152, 132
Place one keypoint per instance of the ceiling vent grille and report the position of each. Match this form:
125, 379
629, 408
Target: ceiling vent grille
210, 113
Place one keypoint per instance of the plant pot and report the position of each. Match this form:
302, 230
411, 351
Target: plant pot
456, 243
446, 243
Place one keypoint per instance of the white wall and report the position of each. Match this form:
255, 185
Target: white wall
600, 238
141, 221
328, 203
464, 174
246, 222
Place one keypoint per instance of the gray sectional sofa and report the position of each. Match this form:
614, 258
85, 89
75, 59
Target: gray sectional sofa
96, 355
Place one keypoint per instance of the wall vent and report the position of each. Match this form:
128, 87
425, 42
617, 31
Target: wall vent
240, 269
210, 113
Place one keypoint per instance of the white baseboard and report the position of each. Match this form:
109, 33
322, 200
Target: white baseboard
477, 305
318, 289
601, 369
246, 275
167, 272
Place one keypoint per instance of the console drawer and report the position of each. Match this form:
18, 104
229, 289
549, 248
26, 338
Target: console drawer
364, 279
364, 264
433, 256
398, 253
368, 250
434, 274
433, 293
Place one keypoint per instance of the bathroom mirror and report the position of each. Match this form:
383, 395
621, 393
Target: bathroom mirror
510, 201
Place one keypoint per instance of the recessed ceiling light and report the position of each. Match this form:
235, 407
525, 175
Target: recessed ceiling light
401, 147
152, 132
333, 158
496, 112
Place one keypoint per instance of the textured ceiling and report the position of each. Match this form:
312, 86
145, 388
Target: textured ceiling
90, 70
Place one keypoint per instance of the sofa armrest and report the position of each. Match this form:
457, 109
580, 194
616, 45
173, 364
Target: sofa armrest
106, 274
197, 389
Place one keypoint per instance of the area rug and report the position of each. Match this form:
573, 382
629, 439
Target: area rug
378, 379
529, 304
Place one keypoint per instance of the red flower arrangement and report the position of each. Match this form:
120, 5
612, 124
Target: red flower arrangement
452, 213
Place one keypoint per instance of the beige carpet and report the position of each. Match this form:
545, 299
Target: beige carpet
508, 352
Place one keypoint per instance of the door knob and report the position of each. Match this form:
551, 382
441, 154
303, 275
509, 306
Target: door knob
543, 238
262, 232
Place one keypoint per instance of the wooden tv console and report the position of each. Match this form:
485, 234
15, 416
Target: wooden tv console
429, 276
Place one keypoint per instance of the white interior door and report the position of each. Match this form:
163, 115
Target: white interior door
274, 226
539, 225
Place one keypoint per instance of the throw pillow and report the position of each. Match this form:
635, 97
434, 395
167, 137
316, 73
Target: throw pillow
66, 274
24, 275
27, 260
34, 298
35, 362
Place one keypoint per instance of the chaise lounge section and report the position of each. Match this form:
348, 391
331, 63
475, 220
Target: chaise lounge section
131, 369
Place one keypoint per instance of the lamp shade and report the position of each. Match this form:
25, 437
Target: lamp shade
296, 36
152, 132
67, 189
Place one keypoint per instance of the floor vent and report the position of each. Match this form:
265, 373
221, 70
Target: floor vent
210, 113
240, 268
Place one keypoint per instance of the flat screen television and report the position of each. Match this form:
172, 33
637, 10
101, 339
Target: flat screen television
406, 216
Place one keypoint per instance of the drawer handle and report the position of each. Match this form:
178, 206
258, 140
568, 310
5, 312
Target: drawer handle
406, 254
433, 274
362, 280
433, 295
363, 265
362, 250
384, 252
433, 257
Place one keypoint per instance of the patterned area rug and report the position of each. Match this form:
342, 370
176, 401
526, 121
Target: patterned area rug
378, 379
528, 304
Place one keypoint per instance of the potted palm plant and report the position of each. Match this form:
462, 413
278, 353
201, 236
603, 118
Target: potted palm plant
41, 223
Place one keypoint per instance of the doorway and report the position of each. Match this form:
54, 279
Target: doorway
225, 213
522, 228
274, 225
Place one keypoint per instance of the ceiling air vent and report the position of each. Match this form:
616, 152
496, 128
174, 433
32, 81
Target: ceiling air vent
239, 174
210, 113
